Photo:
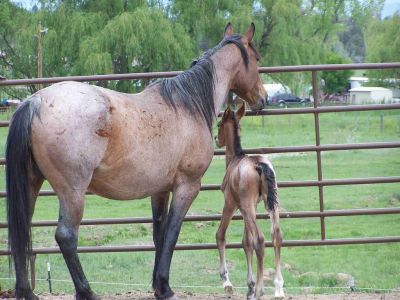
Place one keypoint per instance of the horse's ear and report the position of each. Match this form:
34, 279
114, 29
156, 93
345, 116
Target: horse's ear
250, 32
241, 110
228, 30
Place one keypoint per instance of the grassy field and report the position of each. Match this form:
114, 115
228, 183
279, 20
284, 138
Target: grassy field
372, 266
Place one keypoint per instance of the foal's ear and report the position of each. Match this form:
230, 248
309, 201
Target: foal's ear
228, 30
241, 111
250, 32
226, 113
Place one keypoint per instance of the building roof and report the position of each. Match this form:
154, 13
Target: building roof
368, 89
356, 78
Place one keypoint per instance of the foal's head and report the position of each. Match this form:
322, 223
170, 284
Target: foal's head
228, 127
247, 82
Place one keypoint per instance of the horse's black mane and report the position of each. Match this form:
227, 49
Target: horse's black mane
194, 89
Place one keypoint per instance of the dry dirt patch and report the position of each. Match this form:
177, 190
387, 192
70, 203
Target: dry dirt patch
136, 295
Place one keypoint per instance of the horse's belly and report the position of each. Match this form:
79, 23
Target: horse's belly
121, 185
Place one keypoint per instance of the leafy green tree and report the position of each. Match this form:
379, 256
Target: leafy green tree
383, 44
336, 81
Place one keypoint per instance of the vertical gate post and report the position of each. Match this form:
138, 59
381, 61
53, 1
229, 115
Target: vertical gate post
318, 143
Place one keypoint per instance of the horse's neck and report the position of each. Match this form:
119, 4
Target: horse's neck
226, 61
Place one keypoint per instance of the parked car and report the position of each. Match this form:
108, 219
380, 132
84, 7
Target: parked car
287, 98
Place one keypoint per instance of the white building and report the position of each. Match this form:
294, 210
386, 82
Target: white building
275, 88
370, 95
356, 82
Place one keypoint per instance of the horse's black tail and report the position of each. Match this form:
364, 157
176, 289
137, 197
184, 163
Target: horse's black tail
269, 187
18, 173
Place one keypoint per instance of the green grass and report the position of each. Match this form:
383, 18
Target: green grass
372, 266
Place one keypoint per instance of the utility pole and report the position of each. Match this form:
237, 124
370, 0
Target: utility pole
40, 54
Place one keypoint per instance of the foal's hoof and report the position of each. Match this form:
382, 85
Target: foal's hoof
251, 296
279, 295
173, 297
228, 289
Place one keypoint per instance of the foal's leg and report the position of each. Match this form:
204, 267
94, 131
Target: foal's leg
70, 216
229, 209
159, 205
23, 288
248, 250
183, 196
255, 240
276, 237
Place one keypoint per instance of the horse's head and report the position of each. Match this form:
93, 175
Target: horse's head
229, 124
247, 82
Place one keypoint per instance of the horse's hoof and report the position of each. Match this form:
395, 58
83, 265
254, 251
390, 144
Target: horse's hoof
88, 297
32, 297
158, 297
228, 290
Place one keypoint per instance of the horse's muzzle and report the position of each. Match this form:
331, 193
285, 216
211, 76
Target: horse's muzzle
258, 106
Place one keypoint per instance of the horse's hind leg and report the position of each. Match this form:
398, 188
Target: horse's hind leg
276, 236
23, 288
70, 216
227, 213
255, 241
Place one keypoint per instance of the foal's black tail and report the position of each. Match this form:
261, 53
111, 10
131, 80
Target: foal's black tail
18, 173
269, 188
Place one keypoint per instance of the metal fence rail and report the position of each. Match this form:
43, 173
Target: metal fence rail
318, 148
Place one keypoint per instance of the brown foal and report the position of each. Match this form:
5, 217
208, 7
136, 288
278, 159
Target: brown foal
248, 179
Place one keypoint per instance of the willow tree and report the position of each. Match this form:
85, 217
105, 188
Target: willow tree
140, 41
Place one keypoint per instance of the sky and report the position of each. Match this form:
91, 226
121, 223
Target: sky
390, 7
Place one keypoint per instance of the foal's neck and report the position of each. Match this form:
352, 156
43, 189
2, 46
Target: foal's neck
233, 148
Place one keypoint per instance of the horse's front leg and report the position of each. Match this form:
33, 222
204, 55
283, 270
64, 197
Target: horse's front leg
159, 205
183, 196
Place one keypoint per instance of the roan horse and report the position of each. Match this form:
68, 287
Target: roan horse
85, 138
248, 179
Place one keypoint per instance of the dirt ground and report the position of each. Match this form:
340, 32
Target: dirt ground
149, 296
